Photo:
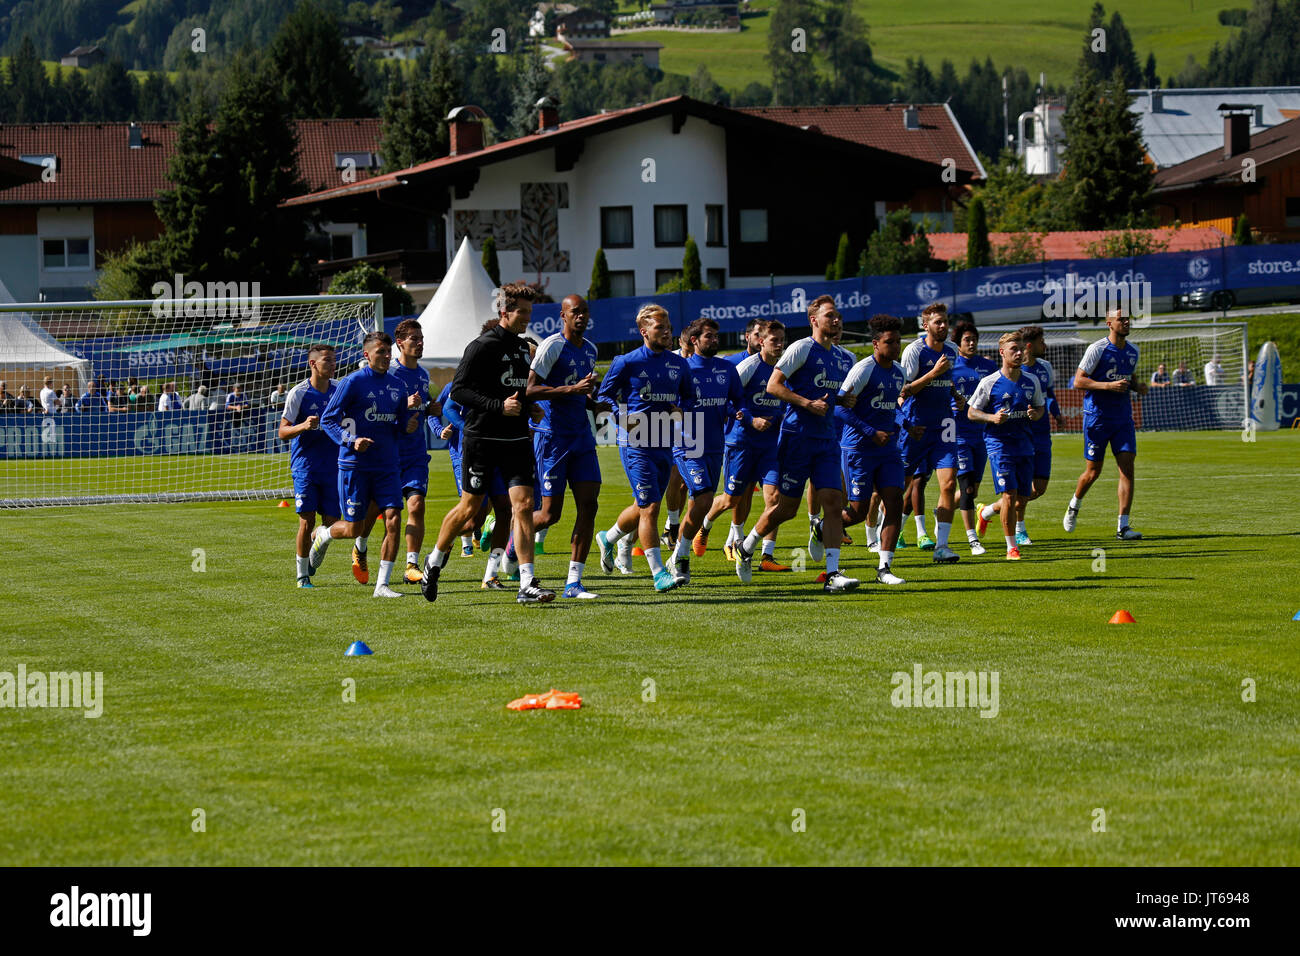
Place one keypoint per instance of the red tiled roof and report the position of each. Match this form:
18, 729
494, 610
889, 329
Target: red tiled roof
1073, 245
96, 164
940, 136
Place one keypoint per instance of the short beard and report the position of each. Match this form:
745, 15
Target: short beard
708, 353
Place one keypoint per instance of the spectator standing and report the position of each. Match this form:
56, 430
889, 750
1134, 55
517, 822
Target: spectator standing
92, 400
49, 397
116, 400
1214, 371
169, 401
1183, 375
1160, 377
198, 402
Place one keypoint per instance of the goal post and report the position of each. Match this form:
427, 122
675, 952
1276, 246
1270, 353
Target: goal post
107, 439
1219, 403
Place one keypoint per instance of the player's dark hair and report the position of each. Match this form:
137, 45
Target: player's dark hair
1031, 333
934, 308
882, 324
752, 324
696, 328
509, 295
817, 303
490, 323
961, 328
532, 341
382, 337
405, 329
319, 348
772, 325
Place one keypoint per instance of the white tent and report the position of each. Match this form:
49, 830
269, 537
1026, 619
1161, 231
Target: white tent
456, 313
28, 353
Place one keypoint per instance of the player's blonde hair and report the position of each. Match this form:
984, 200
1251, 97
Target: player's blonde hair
1008, 337
649, 313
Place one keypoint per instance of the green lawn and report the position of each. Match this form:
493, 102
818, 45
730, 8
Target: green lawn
224, 691
1039, 37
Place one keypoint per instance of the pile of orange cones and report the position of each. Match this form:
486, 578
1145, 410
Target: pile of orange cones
552, 700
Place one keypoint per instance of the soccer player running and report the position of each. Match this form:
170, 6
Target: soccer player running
448, 425
1007, 402
808, 378
413, 448
562, 380
1034, 364
313, 457
719, 398
675, 494
646, 386
366, 416
490, 386
1106, 373
972, 456
869, 439
929, 440
751, 449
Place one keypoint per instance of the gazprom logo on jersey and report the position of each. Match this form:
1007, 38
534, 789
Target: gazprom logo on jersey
373, 414
510, 380
213, 300
822, 380
663, 430
1092, 297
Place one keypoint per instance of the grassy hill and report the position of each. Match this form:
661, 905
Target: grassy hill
1038, 35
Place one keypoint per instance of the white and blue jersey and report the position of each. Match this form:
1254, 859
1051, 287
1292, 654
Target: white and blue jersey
413, 448
563, 442
808, 448
1010, 444
1108, 416
313, 457
751, 454
718, 396
1041, 430
972, 456
643, 386
932, 404
367, 404
869, 466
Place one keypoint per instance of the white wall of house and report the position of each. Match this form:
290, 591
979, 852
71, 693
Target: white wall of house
688, 169
62, 223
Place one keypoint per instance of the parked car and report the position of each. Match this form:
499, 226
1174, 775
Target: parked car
1224, 299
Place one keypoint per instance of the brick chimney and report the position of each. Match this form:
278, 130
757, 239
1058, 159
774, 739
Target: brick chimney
466, 128
1236, 134
548, 113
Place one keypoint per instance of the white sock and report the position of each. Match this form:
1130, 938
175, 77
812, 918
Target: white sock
751, 542
1020, 527
437, 559
1011, 541
361, 544
708, 523
539, 537
683, 548
494, 562
1123, 522
737, 533
886, 558
1075, 502
413, 557
385, 572
615, 533
575, 573
832, 561
322, 533
920, 523
971, 536
873, 535
525, 575
880, 514
941, 531
302, 565
654, 559
466, 541
769, 547
625, 548
674, 517
987, 512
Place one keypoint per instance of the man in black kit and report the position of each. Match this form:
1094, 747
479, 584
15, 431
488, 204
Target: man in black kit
490, 386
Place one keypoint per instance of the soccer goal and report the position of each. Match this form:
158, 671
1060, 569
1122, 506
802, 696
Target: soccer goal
160, 400
1200, 405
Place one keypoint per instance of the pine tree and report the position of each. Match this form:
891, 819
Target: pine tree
414, 128
898, 248
978, 252
599, 288
113, 94
1107, 181
490, 264
843, 265
691, 278
29, 87
793, 64
1241, 235
531, 81
314, 66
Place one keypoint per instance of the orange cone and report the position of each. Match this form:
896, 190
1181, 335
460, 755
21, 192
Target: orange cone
1122, 617
638, 552
283, 504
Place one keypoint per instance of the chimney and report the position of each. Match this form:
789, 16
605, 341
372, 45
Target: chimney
466, 129
134, 137
1236, 134
548, 114
1157, 101
911, 118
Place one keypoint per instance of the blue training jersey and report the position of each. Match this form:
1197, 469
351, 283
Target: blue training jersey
1103, 361
718, 396
996, 393
966, 376
643, 382
932, 404
753, 374
311, 453
367, 405
450, 415
811, 371
415, 381
876, 387
560, 362
1046, 375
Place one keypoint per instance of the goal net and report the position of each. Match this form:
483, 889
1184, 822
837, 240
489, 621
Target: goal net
167, 400
1213, 398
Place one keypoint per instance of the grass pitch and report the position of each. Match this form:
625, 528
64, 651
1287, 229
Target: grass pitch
224, 691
